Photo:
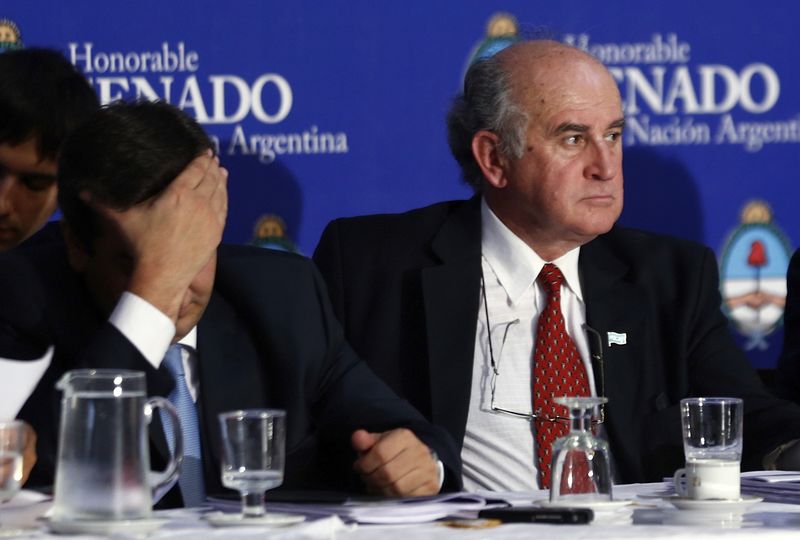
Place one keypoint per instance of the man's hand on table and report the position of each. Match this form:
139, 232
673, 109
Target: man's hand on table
395, 463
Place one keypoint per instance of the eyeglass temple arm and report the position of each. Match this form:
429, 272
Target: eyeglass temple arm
596, 352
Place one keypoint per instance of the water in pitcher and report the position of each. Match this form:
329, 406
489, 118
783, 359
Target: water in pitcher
103, 468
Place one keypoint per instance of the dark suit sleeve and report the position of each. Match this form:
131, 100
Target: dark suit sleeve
327, 257
352, 395
309, 368
788, 373
23, 332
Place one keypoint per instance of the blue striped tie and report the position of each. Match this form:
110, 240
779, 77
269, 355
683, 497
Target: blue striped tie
191, 478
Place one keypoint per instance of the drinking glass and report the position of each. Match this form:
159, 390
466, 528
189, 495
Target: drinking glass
253, 454
712, 444
581, 466
12, 445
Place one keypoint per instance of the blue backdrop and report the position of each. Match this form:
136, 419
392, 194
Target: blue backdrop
327, 109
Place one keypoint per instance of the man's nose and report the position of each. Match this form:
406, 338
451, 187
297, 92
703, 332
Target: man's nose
7, 185
604, 161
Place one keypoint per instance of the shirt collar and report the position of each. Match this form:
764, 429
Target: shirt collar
190, 339
514, 263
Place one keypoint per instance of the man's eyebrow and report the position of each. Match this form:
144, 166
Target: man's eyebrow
583, 128
569, 126
617, 124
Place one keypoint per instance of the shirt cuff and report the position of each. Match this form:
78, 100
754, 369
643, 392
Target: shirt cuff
145, 326
440, 472
439, 469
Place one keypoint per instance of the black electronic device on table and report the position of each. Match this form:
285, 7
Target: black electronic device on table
537, 514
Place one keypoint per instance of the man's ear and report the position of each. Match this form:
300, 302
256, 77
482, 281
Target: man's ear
76, 251
486, 150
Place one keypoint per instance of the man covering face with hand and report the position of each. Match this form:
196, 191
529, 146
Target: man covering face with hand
141, 268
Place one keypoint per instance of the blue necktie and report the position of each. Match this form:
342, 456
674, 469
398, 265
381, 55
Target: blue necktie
191, 477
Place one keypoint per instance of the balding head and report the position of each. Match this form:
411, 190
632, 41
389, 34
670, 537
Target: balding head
550, 166
543, 74
502, 93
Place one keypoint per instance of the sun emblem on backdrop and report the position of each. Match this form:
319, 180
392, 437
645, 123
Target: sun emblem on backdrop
10, 36
502, 30
753, 275
270, 232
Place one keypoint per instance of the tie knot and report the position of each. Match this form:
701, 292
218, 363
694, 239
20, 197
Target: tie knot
173, 361
551, 277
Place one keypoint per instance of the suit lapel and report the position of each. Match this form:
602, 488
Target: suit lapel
451, 294
230, 373
614, 306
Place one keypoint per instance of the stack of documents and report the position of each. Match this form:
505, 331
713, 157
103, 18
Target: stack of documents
774, 486
410, 510
385, 511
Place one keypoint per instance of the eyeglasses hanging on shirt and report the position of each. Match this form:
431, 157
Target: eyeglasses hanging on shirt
595, 350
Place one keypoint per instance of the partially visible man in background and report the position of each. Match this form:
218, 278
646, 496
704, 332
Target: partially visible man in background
42, 97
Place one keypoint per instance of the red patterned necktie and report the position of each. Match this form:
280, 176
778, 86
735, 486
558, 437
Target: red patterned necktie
558, 370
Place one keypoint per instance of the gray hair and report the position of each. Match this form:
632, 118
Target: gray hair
486, 104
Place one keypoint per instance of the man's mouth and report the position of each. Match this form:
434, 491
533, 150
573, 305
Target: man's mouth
7, 231
600, 198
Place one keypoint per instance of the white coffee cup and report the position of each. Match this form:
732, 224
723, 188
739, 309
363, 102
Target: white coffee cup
708, 479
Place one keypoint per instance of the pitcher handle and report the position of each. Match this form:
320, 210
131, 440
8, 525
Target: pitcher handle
173, 469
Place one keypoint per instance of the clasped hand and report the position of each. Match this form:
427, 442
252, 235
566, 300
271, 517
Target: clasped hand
395, 463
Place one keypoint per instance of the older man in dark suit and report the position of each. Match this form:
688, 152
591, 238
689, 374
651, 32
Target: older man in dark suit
444, 302
140, 270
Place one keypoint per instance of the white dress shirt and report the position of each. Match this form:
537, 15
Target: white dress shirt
499, 449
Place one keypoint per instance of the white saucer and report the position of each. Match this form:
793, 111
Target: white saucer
104, 527
270, 519
713, 505
597, 506
729, 520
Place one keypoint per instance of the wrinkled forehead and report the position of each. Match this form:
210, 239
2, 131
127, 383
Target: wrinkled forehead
549, 77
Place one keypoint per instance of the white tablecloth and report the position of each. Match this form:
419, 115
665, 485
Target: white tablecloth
653, 518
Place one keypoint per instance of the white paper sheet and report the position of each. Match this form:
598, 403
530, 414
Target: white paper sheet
17, 381
774, 486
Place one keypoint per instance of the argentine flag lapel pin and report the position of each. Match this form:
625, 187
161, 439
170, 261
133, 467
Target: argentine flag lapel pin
617, 338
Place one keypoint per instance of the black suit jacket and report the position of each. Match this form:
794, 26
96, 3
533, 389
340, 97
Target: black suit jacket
267, 339
787, 380
406, 288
